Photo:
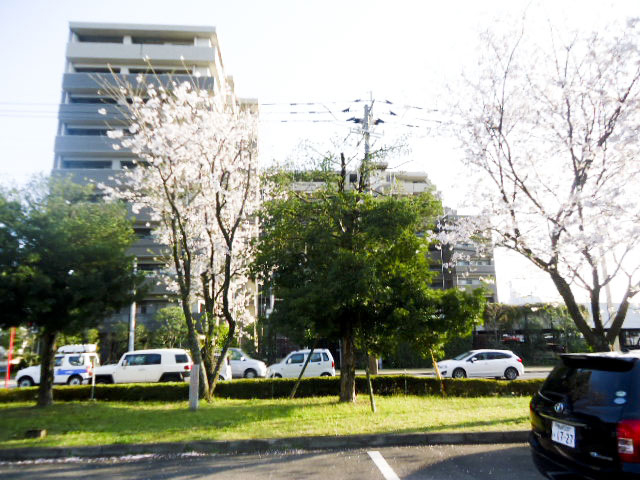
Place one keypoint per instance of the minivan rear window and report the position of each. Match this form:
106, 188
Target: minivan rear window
588, 383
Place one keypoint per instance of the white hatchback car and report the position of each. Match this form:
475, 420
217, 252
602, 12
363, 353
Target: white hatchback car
483, 363
242, 365
321, 364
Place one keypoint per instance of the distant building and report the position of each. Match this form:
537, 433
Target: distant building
465, 265
474, 269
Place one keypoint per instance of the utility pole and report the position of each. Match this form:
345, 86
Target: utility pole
365, 184
366, 121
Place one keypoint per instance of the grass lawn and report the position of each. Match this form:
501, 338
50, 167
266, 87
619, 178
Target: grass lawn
102, 423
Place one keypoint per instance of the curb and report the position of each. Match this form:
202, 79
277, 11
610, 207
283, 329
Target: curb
266, 445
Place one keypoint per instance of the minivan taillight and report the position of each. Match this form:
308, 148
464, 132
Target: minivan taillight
333, 364
187, 367
629, 441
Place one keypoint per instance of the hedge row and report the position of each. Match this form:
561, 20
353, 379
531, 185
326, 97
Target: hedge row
281, 388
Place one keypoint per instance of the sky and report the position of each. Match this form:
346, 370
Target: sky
403, 54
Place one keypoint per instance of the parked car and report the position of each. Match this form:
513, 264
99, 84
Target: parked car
73, 364
483, 363
242, 365
156, 365
321, 364
585, 420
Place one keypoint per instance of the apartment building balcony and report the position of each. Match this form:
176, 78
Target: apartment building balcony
135, 54
88, 146
147, 249
476, 269
85, 176
90, 83
87, 114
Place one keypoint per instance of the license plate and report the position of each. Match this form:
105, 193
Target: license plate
563, 434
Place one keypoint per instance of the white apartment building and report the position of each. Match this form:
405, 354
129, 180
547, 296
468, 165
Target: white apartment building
96, 52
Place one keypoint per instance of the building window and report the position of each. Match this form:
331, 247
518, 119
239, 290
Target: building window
160, 71
151, 267
142, 232
99, 38
160, 41
75, 99
129, 164
86, 131
96, 70
87, 164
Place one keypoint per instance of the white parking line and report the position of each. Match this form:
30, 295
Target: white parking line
383, 466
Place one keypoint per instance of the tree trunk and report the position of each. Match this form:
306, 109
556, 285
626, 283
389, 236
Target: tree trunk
45, 392
348, 369
222, 358
200, 379
597, 342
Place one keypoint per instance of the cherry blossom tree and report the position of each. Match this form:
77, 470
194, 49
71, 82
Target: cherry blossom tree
551, 126
196, 175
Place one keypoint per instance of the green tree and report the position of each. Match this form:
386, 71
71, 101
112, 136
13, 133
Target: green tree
169, 329
346, 264
64, 263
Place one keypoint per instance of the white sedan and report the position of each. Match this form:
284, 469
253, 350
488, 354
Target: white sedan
483, 363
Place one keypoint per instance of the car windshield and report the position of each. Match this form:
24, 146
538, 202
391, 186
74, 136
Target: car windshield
462, 355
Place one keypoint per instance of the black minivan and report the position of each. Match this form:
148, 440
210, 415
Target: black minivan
585, 419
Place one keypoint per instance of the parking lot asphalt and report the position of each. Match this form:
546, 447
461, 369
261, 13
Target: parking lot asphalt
441, 462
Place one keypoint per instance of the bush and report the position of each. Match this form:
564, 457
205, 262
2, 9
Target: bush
281, 388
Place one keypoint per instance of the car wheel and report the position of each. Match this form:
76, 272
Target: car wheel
325, 374
277, 375
74, 380
510, 373
250, 373
25, 382
459, 373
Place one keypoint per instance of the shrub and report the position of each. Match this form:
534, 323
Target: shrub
281, 388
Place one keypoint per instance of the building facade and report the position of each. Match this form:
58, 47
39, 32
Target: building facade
98, 55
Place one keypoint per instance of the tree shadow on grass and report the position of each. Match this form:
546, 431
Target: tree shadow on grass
466, 426
135, 422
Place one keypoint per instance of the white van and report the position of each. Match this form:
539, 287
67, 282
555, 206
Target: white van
73, 365
321, 364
